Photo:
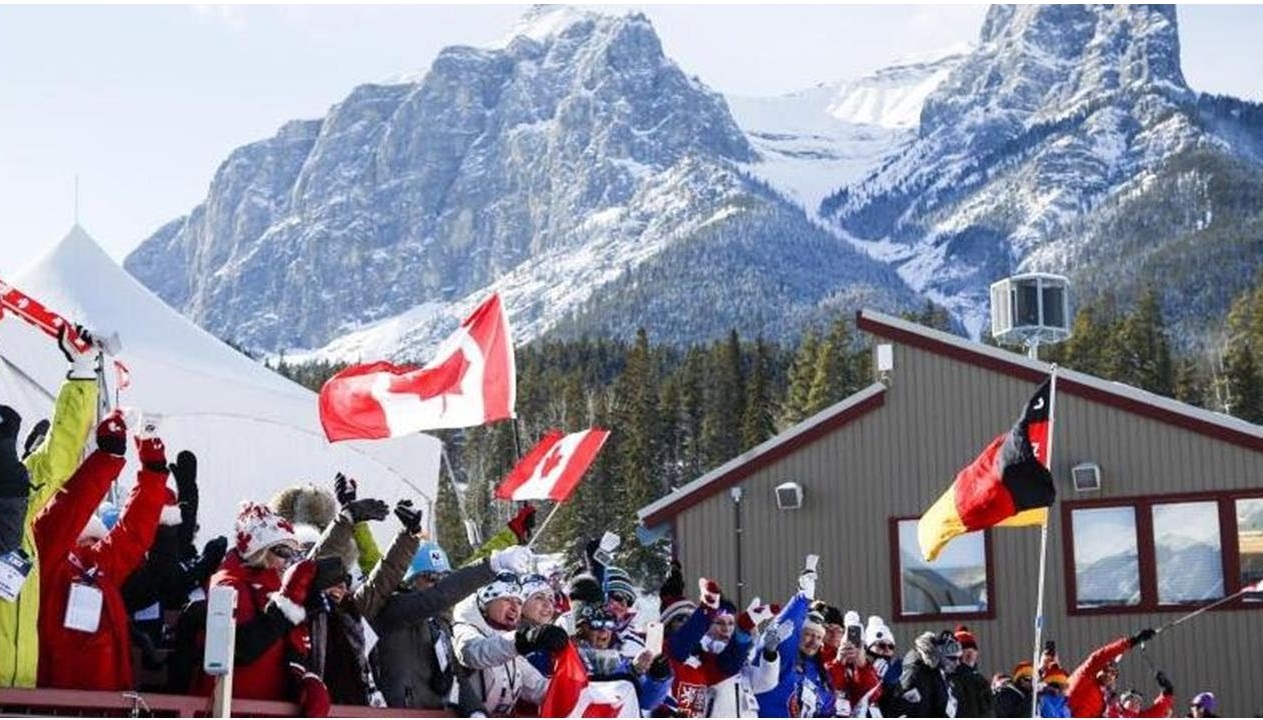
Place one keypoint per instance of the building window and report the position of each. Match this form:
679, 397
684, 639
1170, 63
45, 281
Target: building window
954, 585
1250, 539
1187, 552
1161, 553
1106, 557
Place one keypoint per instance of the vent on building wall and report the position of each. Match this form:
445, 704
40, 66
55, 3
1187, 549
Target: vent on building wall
1086, 477
789, 496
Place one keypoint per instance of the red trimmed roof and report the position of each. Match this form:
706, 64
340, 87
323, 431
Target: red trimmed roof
1127, 398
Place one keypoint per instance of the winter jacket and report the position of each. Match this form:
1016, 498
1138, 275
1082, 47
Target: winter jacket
1160, 708
696, 671
1087, 697
501, 676
12, 518
923, 690
337, 637
1054, 706
973, 693
737, 696
49, 467
100, 659
803, 689
860, 687
15, 486
415, 659
1011, 702
266, 642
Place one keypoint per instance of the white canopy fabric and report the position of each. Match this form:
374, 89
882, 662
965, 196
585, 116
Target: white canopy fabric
254, 432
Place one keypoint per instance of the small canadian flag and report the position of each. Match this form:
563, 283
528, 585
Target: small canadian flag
552, 469
571, 694
471, 381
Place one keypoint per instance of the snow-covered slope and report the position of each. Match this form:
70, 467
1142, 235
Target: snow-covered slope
253, 431
812, 142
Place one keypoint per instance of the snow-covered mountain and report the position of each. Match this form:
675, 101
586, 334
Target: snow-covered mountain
812, 142
1045, 148
566, 167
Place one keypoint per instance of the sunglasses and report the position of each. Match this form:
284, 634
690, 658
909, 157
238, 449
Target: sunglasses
602, 624
622, 598
283, 552
884, 646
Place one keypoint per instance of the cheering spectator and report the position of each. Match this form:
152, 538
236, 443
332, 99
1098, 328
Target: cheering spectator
1092, 682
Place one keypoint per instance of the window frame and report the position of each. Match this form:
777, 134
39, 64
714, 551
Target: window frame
896, 580
1229, 550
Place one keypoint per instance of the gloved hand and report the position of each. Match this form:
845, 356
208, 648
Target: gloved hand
409, 516
708, 593
1164, 682
35, 437
111, 434
549, 638
365, 509
673, 586
660, 668
807, 583
523, 523
153, 454
313, 696
10, 425
1141, 637
184, 470
82, 363
344, 489
14, 478
212, 555
295, 588
772, 638
515, 559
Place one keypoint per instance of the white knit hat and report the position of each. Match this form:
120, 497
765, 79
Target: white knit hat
877, 631
258, 529
533, 584
505, 585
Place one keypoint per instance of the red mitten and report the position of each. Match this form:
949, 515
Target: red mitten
523, 523
295, 587
708, 593
153, 454
111, 434
313, 696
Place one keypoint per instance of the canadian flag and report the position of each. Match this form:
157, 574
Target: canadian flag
570, 694
552, 469
471, 381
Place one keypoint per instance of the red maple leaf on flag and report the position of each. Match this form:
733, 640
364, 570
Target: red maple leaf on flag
444, 379
551, 462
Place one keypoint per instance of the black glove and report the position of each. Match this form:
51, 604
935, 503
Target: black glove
660, 668
212, 555
35, 437
409, 516
366, 509
1141, 637
1164, 682
10, 424
184, 470
549, 638
673, 586
344, 488
329, 572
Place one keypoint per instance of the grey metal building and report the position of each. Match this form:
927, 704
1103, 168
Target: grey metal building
1175, 519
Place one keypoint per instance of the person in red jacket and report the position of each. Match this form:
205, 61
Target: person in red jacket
1092, 683
272, 635
83, 621
855, 678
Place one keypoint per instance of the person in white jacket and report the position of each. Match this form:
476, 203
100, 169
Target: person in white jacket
487, 643
735, 696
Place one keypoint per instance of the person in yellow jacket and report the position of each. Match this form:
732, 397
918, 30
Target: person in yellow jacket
49, 465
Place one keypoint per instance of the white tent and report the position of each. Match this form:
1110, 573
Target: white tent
253, 431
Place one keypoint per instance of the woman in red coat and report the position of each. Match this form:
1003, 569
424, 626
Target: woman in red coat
272, 638
89, 648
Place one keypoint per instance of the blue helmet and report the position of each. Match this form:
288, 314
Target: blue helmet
430, 558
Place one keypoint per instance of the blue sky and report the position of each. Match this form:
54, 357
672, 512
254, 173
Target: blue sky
143, 103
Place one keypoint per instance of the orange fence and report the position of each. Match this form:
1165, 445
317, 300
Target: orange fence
83, 703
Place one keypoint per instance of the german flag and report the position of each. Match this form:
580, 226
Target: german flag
1009, 484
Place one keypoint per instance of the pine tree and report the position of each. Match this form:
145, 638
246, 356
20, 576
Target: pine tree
801, 374
721, 425
1089, 344
448, 524
831, 374
1245, 385
757, 424
1190, 384
1141, 354
638, 454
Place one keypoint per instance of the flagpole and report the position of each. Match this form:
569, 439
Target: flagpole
1043, 533
539, 531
